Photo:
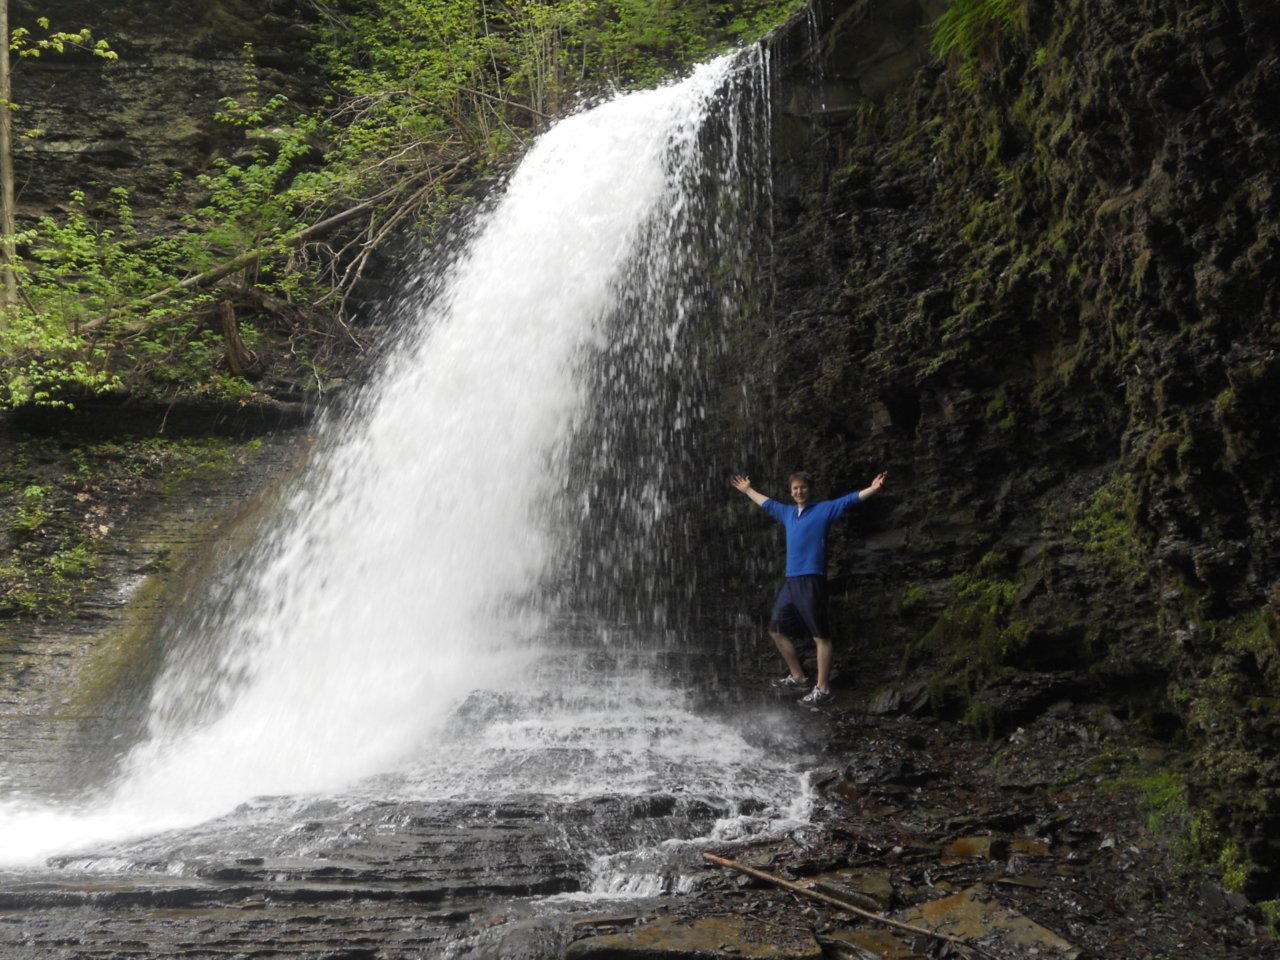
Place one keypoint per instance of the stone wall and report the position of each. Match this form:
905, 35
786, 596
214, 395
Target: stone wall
147, 118
1044, 297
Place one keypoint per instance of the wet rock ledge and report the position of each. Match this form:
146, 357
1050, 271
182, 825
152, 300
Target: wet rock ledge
1054, 841
104, 543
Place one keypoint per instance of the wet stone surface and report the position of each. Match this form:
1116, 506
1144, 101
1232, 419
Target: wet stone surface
1033, 845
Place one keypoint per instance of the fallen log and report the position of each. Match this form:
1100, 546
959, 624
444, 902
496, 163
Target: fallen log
841, 904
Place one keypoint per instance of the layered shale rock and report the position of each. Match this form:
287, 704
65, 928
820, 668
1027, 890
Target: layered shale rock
1039, 287
147, 120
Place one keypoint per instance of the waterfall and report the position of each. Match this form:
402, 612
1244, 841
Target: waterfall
440, 607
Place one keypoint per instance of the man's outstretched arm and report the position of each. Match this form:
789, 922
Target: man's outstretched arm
744, 484
876, 484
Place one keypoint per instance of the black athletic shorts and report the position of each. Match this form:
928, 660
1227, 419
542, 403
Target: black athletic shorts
801, 608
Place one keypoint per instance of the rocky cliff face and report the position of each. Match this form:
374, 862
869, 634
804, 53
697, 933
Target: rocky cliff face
146, 120
1042, 293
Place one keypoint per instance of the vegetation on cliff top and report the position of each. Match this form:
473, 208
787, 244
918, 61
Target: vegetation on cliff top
426, 96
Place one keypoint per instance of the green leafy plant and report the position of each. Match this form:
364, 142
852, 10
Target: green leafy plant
426, 94
969, 34
31, 512
26, 44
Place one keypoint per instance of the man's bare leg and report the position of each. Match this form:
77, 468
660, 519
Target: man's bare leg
825, 651
788, 651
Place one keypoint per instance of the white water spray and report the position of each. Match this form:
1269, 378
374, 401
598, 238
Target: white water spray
410, 568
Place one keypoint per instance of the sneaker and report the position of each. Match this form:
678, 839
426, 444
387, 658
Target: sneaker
790, 683
816, 698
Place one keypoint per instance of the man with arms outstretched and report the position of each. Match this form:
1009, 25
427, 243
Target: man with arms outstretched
801, 607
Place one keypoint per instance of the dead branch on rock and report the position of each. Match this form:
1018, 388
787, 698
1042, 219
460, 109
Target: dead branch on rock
211, 276
841, 904
374, 235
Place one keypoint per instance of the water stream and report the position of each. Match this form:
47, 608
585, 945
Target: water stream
478, 590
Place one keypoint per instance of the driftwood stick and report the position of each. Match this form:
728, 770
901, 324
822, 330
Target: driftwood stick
839, 904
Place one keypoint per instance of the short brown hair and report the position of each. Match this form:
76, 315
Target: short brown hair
802, 477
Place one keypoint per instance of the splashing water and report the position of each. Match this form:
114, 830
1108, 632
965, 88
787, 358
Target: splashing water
436, 611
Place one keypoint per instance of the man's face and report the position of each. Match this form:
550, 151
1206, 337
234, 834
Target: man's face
799, 492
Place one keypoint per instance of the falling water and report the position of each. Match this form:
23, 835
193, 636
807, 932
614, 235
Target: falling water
462, 597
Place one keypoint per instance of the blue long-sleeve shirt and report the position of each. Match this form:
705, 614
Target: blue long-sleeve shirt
807, 532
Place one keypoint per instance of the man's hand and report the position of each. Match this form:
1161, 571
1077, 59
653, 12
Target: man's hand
743, 484
875, 486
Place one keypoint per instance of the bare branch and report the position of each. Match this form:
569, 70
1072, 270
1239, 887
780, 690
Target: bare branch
840, 904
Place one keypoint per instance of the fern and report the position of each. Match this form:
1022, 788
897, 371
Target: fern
971, 30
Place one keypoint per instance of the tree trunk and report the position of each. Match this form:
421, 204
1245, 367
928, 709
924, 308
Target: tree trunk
8, 227
239, 357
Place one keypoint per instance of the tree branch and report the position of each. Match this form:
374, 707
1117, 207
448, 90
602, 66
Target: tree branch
840, 904
249, 257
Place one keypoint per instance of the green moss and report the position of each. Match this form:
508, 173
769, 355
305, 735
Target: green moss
1235, 867
1271, 913
1231, 700
62, 501
913, 596
1235, 412
1223, 403
975, 639
1162, 455
972, 30
1256, 633
1106, 525
1151, 42
979, 716
1163, 794
1194, 842
74, 562
115, 655
126, 656
31, 511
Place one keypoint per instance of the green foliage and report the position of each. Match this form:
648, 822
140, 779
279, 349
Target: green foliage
30, 513
1271, 913
1164, 796
476, 79
62, 502
1106, 525
73, 563
82, 270
250, 200
25, 44
29, 46
976, 625
913, 596
423, 89
48, 558
1193, 842
969, 33
976, 637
